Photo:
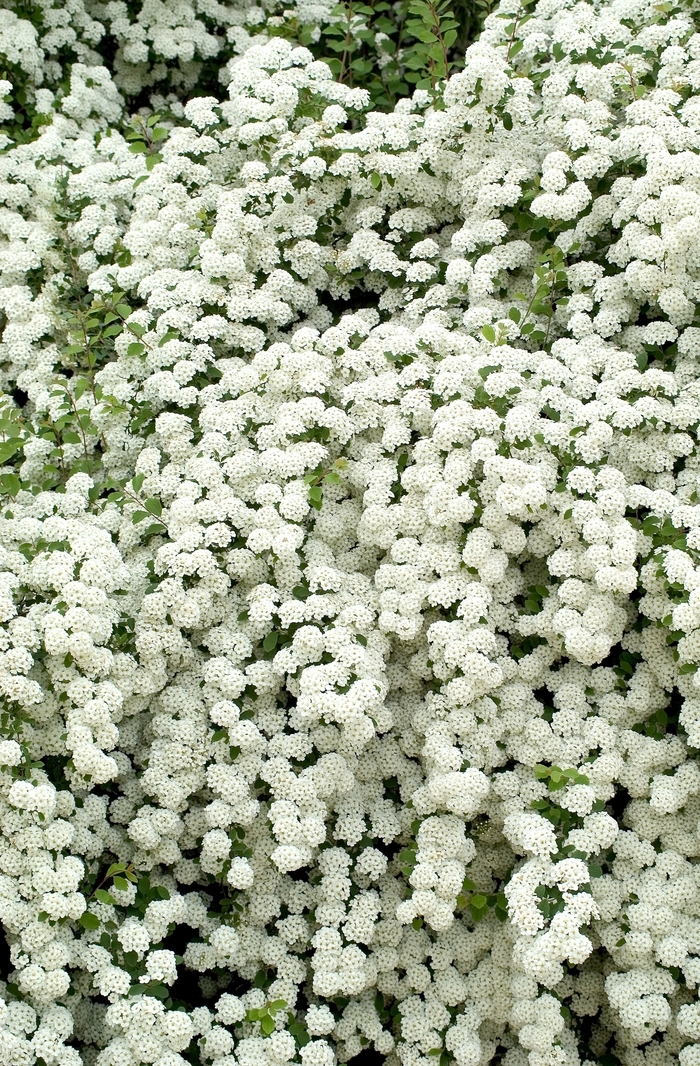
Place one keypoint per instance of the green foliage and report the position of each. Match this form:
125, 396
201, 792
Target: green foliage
479, 904
143, 135
266, 1016
434, 29
534, 320
352, 27
534, 601
127, 492
556, 779
392, 48
407, 858
523, 14
26, 123
320, 477
13, 434
120, 874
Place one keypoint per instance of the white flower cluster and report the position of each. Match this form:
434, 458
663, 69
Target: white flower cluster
350, 546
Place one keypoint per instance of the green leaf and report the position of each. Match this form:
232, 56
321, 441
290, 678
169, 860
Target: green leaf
10, 485
270, 642
89, 921
121, 884
375, 180
299, 1033
103, 897
138, 516
136, 348
154, 507
8, 448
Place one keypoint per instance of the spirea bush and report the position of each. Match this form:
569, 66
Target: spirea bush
349, 534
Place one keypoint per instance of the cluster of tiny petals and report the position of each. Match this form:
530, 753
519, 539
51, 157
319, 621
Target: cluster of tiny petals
351, 661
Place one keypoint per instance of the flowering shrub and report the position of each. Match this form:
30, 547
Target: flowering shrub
349, 535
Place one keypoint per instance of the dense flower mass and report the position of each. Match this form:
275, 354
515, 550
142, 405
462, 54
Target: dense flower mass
349, 534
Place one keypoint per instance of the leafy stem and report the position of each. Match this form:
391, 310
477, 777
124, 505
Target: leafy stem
320, 477
143, 135
435, 29
121, 883
151, 507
